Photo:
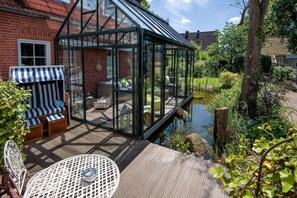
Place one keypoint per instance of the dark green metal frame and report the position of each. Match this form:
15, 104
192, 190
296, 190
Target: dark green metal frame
138, 70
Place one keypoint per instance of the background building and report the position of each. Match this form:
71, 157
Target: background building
277, 49
201, 38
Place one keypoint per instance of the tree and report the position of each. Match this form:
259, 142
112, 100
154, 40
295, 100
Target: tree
249, 89
197, 50
232, 42
282, 19
231, 46
145, 4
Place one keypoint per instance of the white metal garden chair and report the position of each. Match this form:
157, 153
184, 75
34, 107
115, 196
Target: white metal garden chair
13, 160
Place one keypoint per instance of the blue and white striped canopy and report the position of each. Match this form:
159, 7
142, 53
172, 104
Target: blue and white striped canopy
28, 74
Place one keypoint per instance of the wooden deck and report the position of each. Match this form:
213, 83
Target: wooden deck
147, 170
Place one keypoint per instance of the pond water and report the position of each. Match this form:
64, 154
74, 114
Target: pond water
199, 121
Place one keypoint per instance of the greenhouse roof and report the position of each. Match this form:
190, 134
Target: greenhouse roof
150, 21
84, 15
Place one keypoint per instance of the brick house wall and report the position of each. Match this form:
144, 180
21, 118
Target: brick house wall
124, 65
14, 27
92, 76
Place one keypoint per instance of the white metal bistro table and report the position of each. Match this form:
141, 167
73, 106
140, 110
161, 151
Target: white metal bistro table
64, 178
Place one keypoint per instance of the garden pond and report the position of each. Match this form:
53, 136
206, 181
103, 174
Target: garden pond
199, 121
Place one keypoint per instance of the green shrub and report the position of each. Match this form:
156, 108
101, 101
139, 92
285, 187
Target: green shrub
282, 73
228, 79
177, 141
199, 69
279, 170
11, 111
272, 111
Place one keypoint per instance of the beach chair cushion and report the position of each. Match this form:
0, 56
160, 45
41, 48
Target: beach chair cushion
46, 94
33, 122
55, 117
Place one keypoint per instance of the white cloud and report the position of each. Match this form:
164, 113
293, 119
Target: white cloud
185, 20
234, 19
201, 2
149, 1
178, 11
181, 4
187, 1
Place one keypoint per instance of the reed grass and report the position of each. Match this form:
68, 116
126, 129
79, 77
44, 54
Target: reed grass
207, 84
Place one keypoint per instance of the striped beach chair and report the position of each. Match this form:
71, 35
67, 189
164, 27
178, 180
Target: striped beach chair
32, 101
46, 84
48, 94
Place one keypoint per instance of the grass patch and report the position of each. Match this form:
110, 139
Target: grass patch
207, 84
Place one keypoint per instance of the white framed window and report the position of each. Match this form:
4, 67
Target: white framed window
33, 52
293, 62
279, 60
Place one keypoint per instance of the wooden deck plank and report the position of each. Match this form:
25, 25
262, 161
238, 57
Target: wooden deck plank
147, 170
136, 174
174, 182
197, 180
208, 182
165, 177
186, 180
148, 152
145, 173
152, 181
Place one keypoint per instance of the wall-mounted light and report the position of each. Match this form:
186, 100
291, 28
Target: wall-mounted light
98, 66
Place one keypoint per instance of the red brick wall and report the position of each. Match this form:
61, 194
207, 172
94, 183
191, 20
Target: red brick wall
14, 27
92, 76
124, 67
49, 6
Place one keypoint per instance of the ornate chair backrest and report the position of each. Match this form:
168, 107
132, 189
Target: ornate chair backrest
13, 160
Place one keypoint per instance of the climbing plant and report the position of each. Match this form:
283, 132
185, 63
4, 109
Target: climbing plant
278, 174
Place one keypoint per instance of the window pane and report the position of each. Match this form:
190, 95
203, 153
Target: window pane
40, 61
39, 50
89, 4
27, 49
27, 62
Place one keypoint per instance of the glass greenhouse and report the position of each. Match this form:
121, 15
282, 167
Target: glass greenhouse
127, 69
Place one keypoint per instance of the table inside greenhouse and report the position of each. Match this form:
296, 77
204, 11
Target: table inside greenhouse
65, 178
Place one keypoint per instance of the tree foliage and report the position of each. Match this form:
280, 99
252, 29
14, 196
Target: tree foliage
11, 112
231, 46
145, 4
282, 21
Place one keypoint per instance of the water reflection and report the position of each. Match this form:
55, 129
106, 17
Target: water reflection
199, 121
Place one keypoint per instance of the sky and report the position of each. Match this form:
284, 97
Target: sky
193, 15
